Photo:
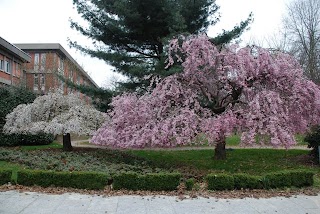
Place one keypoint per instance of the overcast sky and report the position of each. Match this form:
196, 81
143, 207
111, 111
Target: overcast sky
46, 21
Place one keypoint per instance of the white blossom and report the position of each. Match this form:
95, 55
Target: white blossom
54, 113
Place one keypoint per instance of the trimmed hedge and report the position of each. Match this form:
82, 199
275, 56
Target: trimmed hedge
5, 176
25, 139
220, 182
190, 183
244, 181
37, 139
150, 181
9, 139
80, 180
296, 178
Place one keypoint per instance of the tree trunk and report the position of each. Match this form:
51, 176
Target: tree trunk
220, 150
67, 142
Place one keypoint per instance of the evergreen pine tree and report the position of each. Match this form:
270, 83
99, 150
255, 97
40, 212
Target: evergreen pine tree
131, 35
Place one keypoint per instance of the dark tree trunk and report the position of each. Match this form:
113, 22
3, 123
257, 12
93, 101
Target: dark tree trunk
220, 150
67, 142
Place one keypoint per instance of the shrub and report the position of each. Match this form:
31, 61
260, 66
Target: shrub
190, 183
161, 181
25, 139
127, 180
9, 139
244, 181
150, 181
301, 178
36, 139
5, 176
288, 178
313, 140
80, 180
277, 180
220, 182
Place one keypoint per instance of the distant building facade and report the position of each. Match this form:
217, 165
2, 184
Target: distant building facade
12, 61
47, 60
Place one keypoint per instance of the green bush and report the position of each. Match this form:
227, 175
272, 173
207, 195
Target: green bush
288, 178
244, 181
161, 181
129, 180
220, 182
190, 183
150, 181
9, 139
79, 180
25, 139
277, 180
313, 140
36, 139
301, 178
282, 179
5, 176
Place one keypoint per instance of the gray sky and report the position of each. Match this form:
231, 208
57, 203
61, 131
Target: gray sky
46, 21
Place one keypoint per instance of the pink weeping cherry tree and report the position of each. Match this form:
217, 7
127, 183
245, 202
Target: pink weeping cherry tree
250, 90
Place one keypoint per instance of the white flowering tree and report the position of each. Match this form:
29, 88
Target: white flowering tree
57, 114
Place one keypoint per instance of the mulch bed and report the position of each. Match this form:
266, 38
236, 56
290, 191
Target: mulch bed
181, 193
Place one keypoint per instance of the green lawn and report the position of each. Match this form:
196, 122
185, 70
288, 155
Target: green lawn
234, 140
252, 161
54, 145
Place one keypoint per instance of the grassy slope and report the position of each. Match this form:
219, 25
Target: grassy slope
252, 161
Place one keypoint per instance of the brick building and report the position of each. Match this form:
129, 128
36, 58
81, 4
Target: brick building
12, 60
47, 60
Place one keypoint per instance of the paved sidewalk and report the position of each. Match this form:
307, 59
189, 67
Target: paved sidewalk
13, 202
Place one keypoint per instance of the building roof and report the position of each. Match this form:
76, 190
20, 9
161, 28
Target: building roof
14, 50
54, 47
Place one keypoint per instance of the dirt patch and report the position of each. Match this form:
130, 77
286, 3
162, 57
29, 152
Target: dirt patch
306, 160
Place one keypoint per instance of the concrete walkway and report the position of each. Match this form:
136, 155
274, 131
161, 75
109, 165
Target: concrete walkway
13, 202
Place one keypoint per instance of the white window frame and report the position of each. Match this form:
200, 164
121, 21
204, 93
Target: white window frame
1, 64
35, 82
42, 82
36, 61
71, 75
7, 66
61, 66
43, 62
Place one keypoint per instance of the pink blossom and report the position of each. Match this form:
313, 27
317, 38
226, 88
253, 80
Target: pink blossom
260, 94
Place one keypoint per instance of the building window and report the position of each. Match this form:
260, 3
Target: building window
36, 61
71, 75
61, 66
61, 85
17, 70
43, 82
36, 82
1, 64
7, 66
43, 62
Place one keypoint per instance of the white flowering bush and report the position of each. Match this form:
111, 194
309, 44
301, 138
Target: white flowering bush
54, 113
